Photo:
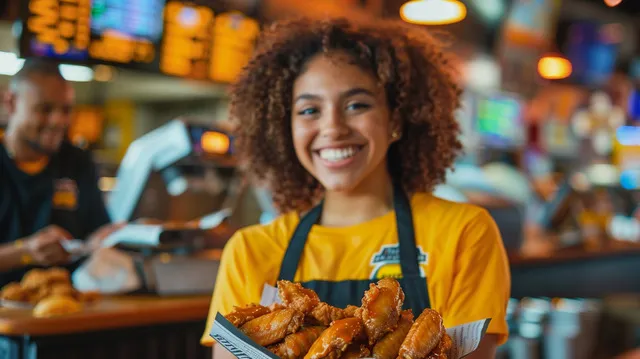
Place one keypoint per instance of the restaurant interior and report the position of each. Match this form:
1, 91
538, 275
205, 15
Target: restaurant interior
551, 133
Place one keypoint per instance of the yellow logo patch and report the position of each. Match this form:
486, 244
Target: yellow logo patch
386, 262
65, 194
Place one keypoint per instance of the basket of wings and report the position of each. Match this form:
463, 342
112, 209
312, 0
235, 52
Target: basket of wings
291, 322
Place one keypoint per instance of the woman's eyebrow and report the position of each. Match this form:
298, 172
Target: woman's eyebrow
306, 96
357, 91
345, 94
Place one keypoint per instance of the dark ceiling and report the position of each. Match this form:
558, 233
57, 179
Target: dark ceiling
630, 7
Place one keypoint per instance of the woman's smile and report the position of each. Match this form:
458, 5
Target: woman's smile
337, 157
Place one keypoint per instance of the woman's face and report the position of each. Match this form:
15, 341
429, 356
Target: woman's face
340, 122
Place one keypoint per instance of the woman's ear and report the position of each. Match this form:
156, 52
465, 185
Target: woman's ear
396, 133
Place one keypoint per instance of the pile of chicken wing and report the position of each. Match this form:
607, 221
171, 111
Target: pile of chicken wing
305, 327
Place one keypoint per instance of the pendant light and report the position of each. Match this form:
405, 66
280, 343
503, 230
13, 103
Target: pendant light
554, 67
433, 12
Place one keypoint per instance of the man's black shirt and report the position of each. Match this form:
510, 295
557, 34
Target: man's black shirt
64, 193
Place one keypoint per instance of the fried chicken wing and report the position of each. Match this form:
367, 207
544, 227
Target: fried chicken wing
240, 315
325, 314
334, 341
296, 345
442, 350
34, 279
389, 346
350, 311
295, 296
381, 307
273, 327
424, 335
14, 291
356, 351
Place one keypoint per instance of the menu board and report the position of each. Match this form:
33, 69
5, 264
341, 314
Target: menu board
174, 37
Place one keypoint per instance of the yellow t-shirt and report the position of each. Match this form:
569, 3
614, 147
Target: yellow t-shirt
464, 260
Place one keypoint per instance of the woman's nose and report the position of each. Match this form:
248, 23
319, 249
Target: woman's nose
333, 124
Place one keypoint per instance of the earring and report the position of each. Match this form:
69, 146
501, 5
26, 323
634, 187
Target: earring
395, 135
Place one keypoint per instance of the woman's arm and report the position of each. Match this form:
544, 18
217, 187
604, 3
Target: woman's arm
487, 348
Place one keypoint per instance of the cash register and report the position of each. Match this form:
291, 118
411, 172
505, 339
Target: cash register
170, 258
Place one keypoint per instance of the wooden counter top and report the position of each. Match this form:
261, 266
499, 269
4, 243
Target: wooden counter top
574, 255
108, 313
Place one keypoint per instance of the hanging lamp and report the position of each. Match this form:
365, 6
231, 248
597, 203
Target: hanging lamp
433, 12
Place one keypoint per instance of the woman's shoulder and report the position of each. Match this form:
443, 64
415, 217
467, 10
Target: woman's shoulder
426, 204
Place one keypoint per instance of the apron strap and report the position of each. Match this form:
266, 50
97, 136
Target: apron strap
414, 286
406, 234
296, 245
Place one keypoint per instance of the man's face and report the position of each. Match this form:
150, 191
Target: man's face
40, 112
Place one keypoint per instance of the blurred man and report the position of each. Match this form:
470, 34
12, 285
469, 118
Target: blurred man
48, 188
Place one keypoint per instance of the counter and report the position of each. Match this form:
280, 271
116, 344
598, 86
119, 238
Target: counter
577, 273
116, 327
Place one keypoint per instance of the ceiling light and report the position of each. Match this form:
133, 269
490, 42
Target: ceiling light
612, 3
433, 12
76, 73
553, 67
10, 64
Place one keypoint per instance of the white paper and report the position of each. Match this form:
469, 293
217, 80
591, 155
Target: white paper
269, 296
76, 248
465, 337
214, 219
135, 234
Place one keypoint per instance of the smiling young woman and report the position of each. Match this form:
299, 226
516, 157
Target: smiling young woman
352, 125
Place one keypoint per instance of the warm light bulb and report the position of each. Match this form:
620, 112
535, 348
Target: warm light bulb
612, 3
433, 12
554, 67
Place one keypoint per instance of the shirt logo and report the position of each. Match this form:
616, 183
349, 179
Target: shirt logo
65, 194
386, 262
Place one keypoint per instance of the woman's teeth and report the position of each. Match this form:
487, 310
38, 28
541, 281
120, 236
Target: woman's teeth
338, 154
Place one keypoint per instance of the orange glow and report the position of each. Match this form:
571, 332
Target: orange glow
612, 3
60, 24
433, 12
554, 68
233, 41
215, 142
186, 43
87, 125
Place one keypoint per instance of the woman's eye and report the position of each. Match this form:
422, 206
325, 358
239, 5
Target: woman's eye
357, 106
307, 111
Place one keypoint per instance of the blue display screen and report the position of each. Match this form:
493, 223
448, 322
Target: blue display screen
592, 49
136, 18
634, 105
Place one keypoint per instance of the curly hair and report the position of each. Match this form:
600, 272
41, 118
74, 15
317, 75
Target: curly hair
410, 63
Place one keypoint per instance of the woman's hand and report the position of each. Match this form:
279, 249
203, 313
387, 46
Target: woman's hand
486, 349
219, 352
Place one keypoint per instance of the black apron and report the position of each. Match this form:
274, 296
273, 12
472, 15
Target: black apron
350, 292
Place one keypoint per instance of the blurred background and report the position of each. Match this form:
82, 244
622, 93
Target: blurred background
550, 129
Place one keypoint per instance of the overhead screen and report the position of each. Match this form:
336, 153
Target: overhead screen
173, 37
